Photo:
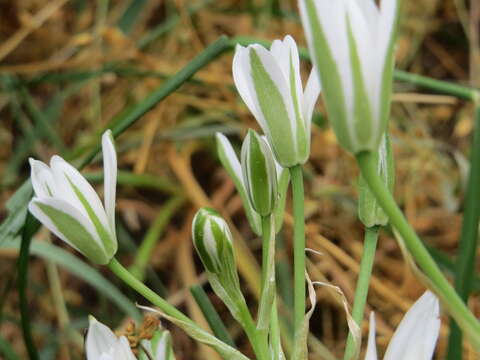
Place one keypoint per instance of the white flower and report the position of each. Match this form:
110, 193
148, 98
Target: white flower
102, 344
70, 208
269, 83
352, 44
416, 335
159, 347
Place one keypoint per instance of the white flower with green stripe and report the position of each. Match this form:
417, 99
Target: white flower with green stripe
269, 83
352, 45
69, 207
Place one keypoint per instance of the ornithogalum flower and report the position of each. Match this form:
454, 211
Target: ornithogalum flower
213, 241
102, 344
352, 45
259, 173
69, 207
269, 83
416, 335
232, 165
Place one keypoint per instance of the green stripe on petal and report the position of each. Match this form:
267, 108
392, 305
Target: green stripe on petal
330, 78
302, 138
108, 241
275, 112
75, 233
367, 137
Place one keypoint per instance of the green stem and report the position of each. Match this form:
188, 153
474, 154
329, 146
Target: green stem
361, 291
123, 274
298, 249
465, 264
458, 309
266, 230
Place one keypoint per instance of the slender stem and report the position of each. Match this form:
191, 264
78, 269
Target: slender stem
30, 227
123, 274
465, 265
266, 230
458, 310
361, 291
298, 248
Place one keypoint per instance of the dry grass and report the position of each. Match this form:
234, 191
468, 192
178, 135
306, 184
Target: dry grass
431, 137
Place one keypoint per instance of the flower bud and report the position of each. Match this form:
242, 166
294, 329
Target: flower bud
269, 83
369, 210
352, 45
259, 173
212, 240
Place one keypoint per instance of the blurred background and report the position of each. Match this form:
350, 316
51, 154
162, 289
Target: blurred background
70, 68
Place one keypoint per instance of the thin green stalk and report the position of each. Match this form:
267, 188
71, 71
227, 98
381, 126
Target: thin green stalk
213, 319
465, 264
266, 230
298, 249
361, 291
145, 250
457, 308
123, 274
30, 227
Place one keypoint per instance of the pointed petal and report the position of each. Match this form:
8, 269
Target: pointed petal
281, 82
100, 340
417, 334
42, 178
110, 177
310, 97
66, 222
371, 353
123, 350
230, 162
241, 78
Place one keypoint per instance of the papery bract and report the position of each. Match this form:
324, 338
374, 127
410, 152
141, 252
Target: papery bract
69, 207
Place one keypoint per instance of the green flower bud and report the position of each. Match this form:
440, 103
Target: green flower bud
212, 240
369, 211
259, 173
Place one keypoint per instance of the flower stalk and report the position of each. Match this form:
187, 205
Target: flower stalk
458, 310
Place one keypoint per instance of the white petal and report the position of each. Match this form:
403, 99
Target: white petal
66, 208
286, 54
417, 334
67, 177
276, 75
333, 19
310, 97
371, 13
42, 178
123, 350
371, 353
100, 340
365, 45
242, 80
230, 156
110, 177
